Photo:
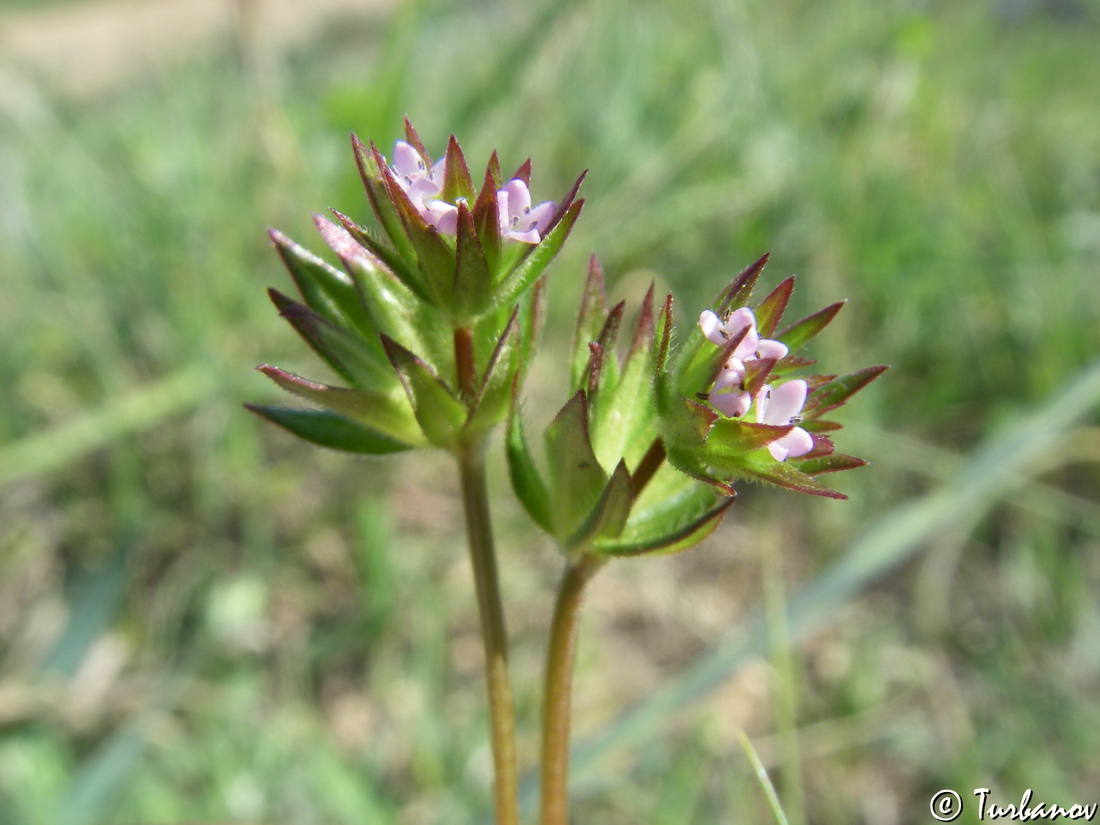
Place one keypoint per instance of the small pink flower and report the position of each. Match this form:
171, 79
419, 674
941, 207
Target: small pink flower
740, 321
780, 407
412, 173
518, 220
728, 395
423, 185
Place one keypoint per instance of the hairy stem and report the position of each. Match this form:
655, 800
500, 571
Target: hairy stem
494, 636
558, 696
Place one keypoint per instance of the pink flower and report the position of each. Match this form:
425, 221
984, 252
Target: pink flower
422, 185
518, 220
411, 170
728, 395
740, 320
780, 407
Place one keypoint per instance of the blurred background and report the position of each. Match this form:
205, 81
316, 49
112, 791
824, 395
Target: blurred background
202, 619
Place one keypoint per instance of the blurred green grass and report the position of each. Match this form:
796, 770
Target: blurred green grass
202, 620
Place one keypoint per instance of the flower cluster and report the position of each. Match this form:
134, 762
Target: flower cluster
517, 220
779, 405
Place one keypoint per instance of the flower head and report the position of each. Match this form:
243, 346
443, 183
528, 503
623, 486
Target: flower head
428, 333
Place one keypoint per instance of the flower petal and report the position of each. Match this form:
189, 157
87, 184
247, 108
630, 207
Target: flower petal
711, 326
742, 320
783, 402
519, 198
531, 236
540, 216
769, 348
407, 163
731, 376
443, 216
732, 403
795, 443
438, 172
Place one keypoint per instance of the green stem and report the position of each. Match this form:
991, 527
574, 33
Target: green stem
494, 636
558, 697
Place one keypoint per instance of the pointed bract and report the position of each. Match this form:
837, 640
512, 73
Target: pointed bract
494, 395
327, 429
457, 184
675, 541
526, 479
608, 516
739, 291
771, 309
375, 410
436, 406
576, 478
839, 390
797, 334
340, 348
472, 282
520, 279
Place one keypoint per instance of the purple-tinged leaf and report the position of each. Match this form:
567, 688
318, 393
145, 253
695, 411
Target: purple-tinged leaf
663, 337
664, 390
757, 371
524, 173
833, 463
378, 411
609, 515
436, 406
327, 429
797, 334
836, 392
771, 309
816, 425
720, 357
472, 287
413, 139
325, 289
389, 257
527, 271
789, 364
457, 184
732, 437
591, 375
487, 219
493, 169
567, 201
347, 353
784, 474
823, 446
373, 171
739, 291
590, 317
609, 334
642, 341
